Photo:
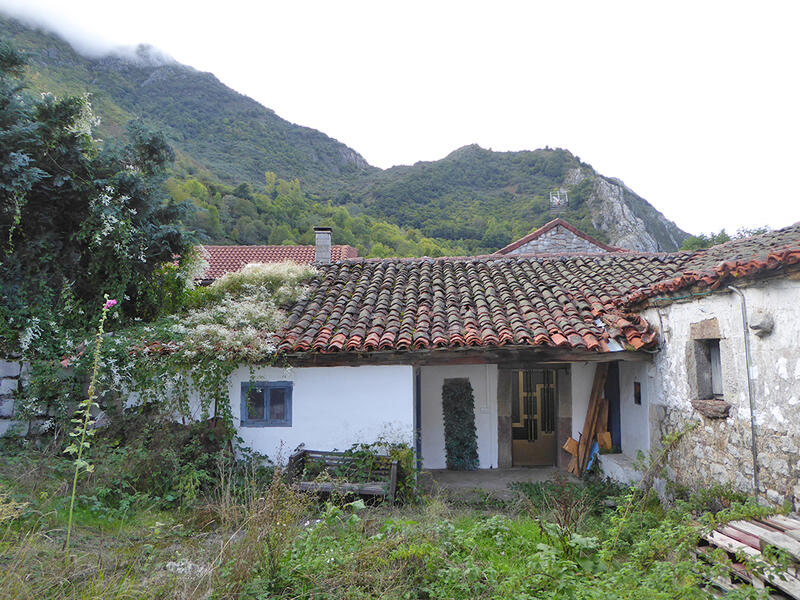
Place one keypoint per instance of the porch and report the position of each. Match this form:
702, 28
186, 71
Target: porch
525, 411
485, 484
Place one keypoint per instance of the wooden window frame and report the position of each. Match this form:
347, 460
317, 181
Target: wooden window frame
266, 387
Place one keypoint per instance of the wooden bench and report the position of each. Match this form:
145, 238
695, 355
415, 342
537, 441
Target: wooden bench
381, 480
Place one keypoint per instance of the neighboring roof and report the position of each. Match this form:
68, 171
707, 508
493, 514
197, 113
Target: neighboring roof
550, 226
727, 263
569, 302
227, 259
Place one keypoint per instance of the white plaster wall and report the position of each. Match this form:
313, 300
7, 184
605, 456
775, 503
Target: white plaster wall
333, 407
484, 387
634, 418
582, 378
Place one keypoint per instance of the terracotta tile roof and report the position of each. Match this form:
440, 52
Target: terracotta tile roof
569, 302
552, 225
728, 263
226, 259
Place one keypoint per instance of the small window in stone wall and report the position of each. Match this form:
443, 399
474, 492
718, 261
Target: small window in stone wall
637, 392
708, 370
716, 368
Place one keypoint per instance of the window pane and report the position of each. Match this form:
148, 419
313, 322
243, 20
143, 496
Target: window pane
716, 368
277, 404
255, 405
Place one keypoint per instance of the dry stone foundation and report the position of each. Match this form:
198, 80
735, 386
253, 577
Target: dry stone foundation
719, 451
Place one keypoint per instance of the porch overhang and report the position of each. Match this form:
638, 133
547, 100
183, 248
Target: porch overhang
508, 356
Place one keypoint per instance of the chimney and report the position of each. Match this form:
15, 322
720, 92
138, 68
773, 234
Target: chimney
322, 253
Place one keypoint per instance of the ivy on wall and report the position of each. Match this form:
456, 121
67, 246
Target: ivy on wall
460, 435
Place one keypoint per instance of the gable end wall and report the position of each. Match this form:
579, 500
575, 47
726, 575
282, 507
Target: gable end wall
557, 240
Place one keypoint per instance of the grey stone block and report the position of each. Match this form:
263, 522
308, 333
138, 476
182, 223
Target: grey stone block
8, 386
9, 368
6, 407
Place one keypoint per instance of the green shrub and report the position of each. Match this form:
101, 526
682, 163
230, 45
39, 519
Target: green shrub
460, 435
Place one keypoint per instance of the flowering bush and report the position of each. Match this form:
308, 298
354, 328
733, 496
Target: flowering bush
190, 354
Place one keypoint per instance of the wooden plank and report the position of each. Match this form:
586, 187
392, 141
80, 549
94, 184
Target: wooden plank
604, 440
787, 523
602, 419
730, 544
794, 534
741, 536
737, 569
770, 537
571, 446
785, 582
516, 357
339, 486
572, 467
590, 423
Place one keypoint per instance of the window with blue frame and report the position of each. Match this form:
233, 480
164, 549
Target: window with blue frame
267, 404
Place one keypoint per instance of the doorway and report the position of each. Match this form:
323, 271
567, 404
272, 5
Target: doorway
533, 417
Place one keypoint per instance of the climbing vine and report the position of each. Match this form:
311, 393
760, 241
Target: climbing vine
180, 364
460, 435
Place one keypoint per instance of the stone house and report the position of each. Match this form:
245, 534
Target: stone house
729, 363
705, 339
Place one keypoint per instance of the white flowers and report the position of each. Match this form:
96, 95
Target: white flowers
241, 313
31, 332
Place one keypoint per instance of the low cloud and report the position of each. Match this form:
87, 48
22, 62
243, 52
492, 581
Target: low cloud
86, 43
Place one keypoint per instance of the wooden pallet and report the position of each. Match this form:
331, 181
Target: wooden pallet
744, 541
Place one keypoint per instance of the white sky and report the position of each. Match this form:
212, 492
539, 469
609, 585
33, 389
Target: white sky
695, 105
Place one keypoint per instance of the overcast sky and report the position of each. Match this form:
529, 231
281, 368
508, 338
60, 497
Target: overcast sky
695, 105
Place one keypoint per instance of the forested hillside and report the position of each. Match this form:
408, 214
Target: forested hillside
253, 177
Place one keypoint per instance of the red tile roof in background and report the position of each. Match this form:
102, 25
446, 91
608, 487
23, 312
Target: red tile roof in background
552, 225
227, 259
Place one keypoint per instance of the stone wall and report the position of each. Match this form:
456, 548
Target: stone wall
556, 241
11, 372
719, 450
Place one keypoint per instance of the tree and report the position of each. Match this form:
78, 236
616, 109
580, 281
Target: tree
77, 220
697, 242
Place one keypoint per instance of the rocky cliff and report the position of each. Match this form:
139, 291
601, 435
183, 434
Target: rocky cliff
627, 219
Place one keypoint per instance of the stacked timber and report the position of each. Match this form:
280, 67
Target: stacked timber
595, 424
744, 542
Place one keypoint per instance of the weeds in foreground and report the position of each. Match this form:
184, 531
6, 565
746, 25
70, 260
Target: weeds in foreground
249, 536
266, 522
83, 421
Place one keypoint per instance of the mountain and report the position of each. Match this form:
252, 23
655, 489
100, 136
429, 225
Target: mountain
472, 201
213, 127
497, 197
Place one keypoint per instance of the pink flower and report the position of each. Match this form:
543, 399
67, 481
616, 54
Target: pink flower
109, 303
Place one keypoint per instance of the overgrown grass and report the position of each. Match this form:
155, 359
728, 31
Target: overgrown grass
247, 535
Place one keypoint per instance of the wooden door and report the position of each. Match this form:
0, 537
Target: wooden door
533, 418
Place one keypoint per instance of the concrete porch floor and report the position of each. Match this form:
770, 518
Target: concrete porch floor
492, 482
